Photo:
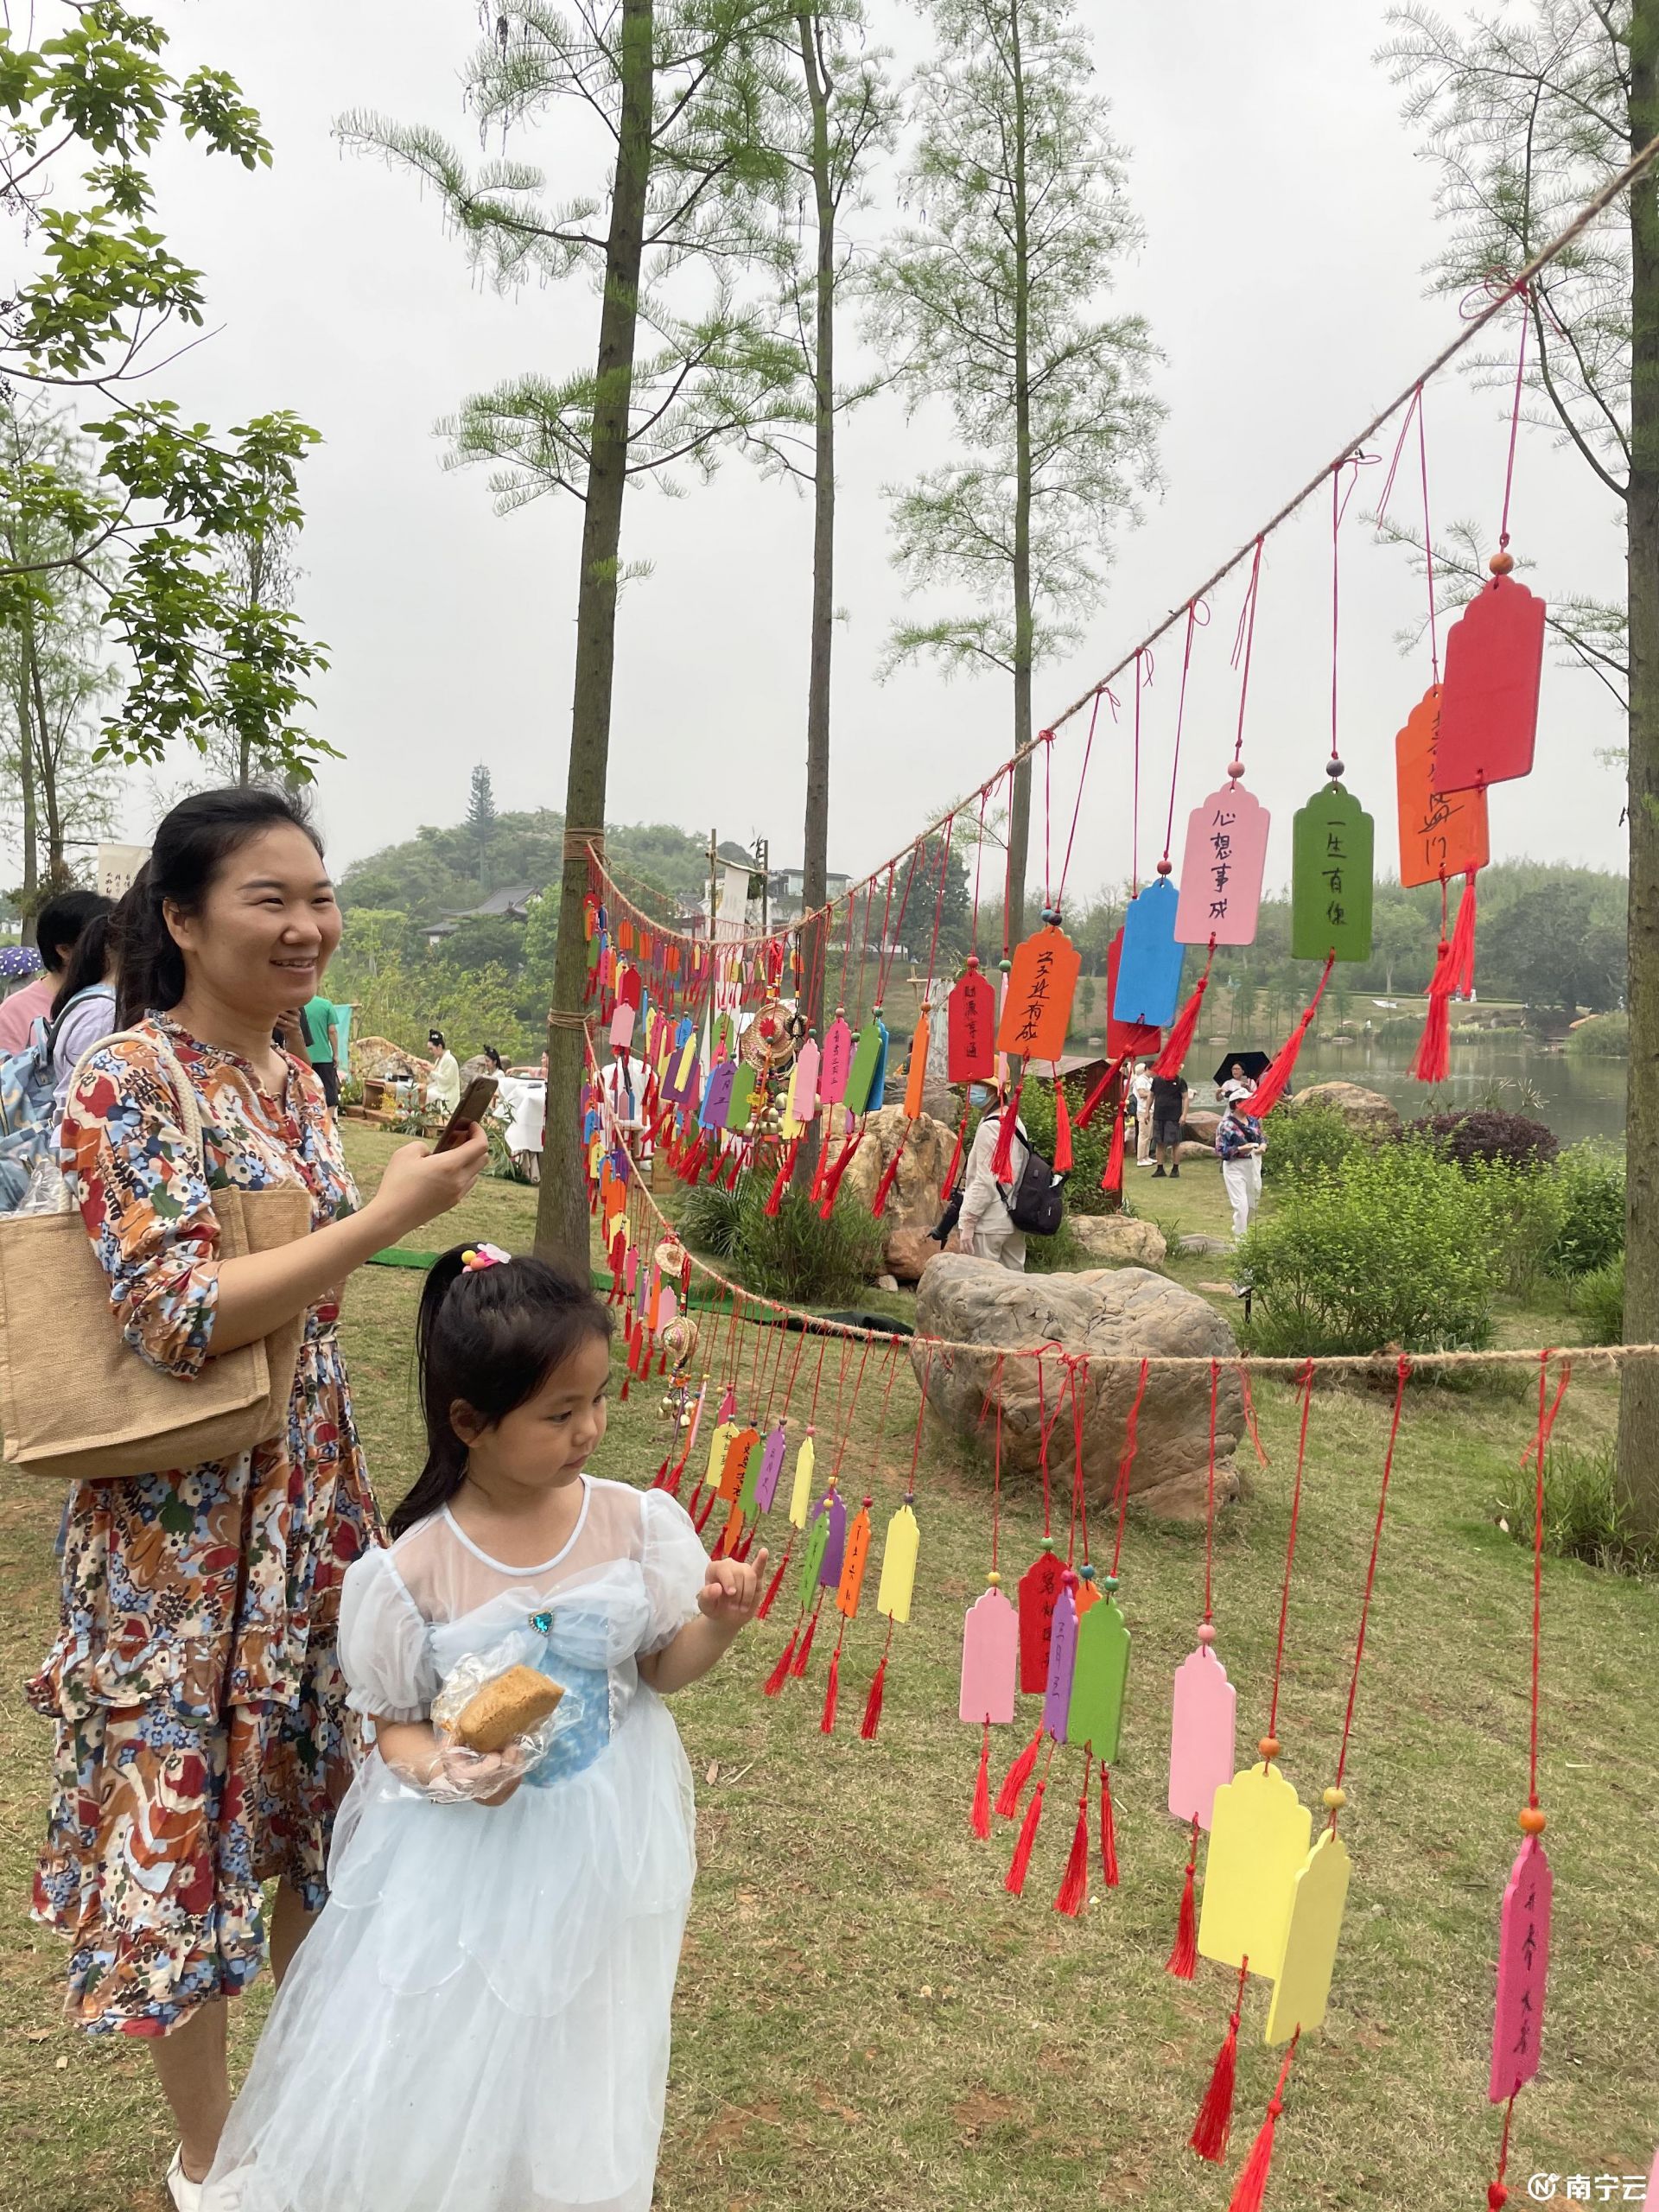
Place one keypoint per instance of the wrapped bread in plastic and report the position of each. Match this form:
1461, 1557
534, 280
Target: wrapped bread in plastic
511, 1706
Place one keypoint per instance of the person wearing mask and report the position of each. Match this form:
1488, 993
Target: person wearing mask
320, 1029
1239, 1146
202, 1739
1140, 1091
57, 932
1168, 1112
983, 1228
443, 1084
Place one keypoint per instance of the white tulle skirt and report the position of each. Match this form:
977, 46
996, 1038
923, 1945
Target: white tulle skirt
478, 2021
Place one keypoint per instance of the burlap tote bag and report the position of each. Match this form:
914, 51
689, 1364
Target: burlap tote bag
75, 1401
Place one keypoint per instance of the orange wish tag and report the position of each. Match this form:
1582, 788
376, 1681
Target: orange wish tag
854, 1560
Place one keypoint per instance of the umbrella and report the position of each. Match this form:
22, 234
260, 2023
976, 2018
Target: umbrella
17, 960
1254, 1065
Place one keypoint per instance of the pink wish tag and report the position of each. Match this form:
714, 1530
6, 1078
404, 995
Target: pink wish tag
1221, 867
622, 1027
836, 1063
1201, 1754
990, 1655
1522, 1965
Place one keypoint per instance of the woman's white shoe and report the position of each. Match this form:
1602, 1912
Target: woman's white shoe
185, 2193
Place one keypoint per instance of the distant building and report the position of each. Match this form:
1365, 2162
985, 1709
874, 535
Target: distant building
786, 884
511, 903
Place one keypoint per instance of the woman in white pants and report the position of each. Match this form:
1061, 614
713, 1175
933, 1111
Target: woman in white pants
1240, 1143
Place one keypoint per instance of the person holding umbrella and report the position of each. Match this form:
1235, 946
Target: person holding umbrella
1239, 1073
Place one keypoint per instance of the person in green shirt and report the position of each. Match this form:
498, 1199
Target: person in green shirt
321, 1028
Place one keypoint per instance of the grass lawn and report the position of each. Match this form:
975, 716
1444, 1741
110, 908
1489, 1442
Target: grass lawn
866, 2019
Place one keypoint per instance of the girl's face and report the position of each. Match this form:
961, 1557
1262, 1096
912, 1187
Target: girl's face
266, 928
543, 1444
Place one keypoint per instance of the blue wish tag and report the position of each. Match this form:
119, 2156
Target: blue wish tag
1149, 967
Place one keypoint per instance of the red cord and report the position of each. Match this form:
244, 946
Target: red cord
1306, 1382
1244, 641
1121, 1493
1135, 808
1515, 417
1210, 1497
1083, 774
1546, 1423
1403, 1374
1195, 620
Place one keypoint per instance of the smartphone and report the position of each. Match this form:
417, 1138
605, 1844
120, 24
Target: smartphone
478, 1099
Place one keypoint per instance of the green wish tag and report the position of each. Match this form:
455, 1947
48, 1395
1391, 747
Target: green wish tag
871, 1048
817, 1537
1331, 842
1098, 1679
741, 1102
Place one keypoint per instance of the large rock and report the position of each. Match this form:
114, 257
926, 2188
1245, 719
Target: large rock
1117, 1240
376, 1058
914, 1201
1201, 1127
907, 1252
1368, 1110
1126, 1313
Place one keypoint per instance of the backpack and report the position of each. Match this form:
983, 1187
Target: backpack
26, 1087
1035, 1200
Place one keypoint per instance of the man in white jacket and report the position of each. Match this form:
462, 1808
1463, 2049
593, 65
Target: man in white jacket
984, 1228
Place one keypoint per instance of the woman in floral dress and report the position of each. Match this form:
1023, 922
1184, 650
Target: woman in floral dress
201, 1740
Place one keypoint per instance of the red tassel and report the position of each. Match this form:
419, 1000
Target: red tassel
889, 1176
1108, 1830
622, 1395
1215, 2122
1074, 1883
1061, 1133
1113, 1178
831, 1693
872, 1720
1002, 1158
1014, 1782
707, 1508
1179, 1042
1097, 1097
803, 1649
691, 1165
1463, 939
1020, 1865
1183, 1961
780, 1673
661, 1475
1251, 2187
1433, 1057
980, 1818
1270, 1083
735, 1169
765, 1606
954, 1168
832, 1180
775, 1196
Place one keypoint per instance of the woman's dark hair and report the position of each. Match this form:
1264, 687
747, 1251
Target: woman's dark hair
88, 961
493, 1056
434, 1037
490, 1336
192, 846
60, 922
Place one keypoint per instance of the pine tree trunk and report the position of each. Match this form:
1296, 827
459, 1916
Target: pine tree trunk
815, 859
561, 1206
1638, 1412
1020, 811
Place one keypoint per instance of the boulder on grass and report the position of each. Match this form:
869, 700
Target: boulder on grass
1126, 1312
914, 1200
1118, 1240
907, 1252
1367, 1111
1201, 1127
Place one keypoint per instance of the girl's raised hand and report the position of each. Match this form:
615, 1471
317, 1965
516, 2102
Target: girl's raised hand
731, 1590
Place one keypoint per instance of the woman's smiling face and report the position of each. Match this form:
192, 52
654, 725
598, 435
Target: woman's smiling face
267, 928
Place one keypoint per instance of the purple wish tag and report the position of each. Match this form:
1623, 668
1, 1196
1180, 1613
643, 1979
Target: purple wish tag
772, 1465
1062, 1660
835, 1549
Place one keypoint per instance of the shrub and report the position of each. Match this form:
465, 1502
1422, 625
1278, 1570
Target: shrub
1304, 1140
1525, 1211
1056, 1254
1590, 1178
1583, 1518
796, 1255
1604, 1037
1088, 1146
1599, 1300
710, 1217
1485, 1133
1393, 1248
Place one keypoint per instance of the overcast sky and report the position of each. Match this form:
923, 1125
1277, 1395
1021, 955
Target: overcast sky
1287, 219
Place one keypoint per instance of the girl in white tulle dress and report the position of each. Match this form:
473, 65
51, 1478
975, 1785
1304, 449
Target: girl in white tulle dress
478, 2021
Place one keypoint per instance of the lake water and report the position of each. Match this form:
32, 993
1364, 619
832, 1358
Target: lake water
1576, 1098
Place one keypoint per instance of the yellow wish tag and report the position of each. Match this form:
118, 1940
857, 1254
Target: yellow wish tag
899, 1554
718, 1445
801, 1497
1319, 1893
1258, 1839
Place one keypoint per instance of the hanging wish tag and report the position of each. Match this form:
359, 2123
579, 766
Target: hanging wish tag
832, 1512
990, 1659
1036, 1007
1489, 701
1125, 1038
900, 1553
855, 1559
1331, 841
622, 1023
772, 1467
970, 1028
1259, 1834
1062, 1660
1523, 1970
868, 1072
1099, 1678
1040, 1586
1222, 868
800, 1496
817, 1538
1442, 833
1318, 1892
836, 1063
1201, 1738
737, 1477
720, 1445
1149, 963
803, 1084
717, 1096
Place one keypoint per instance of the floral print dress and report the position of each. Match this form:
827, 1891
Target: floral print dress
202, 1741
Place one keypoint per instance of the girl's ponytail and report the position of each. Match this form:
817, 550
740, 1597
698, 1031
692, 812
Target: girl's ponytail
446, 1455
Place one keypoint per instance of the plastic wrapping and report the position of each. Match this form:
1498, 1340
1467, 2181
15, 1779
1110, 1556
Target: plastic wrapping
463, 1775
